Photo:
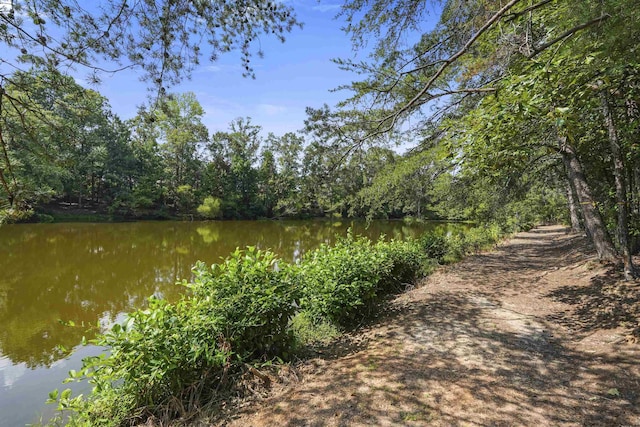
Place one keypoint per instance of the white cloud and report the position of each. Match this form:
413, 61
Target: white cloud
270, 109
212, 68
5, 5
327, 7
217, 68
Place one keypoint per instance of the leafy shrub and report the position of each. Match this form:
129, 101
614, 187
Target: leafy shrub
517, 223
168, 354
256, 295
159, 353
210, 208
408, 262
456, 248
472, 240
341, 282
477, 239
167, 359
14, 215
434, 245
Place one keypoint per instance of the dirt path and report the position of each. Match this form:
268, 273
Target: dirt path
513, 337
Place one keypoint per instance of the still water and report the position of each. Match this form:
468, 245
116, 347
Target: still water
90, 273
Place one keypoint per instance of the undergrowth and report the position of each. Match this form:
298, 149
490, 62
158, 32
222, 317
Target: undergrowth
169, 360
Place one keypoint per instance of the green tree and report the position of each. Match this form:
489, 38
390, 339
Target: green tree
163, 39
210, 208
59, 145
148, 180
331, 171
318, 180
239, 147
217, 171
402, 185
542, 73
287, 150
267, 181
181, 134
173, 131
120, 169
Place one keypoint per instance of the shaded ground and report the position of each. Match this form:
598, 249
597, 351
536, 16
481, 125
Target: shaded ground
535, 333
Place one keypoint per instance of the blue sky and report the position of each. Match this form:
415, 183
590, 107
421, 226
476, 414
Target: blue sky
290, 77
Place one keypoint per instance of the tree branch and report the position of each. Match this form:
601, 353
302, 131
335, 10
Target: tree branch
512, 16
72, 58
411, 103
537, 50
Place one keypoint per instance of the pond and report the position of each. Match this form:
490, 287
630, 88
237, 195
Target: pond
91, 274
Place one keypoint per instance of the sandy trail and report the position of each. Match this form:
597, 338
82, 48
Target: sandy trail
534, 333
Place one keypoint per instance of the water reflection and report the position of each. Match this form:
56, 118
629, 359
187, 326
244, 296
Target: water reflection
89, 273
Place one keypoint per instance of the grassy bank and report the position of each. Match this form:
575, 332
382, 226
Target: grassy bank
170, 360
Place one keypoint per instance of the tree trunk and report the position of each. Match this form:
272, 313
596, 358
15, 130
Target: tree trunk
635, 210
574, 208
6, 188
622, 229
633, 115
93, 187
593, 222
5, 155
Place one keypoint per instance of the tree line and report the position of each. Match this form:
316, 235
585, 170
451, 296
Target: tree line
67, 148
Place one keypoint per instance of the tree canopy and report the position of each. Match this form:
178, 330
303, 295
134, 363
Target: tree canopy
516, 90
163, 38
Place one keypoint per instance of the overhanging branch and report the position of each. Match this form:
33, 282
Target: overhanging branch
539, 49
512, 16
393, 117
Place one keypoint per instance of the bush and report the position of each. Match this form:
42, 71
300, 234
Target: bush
14, 215
472, 240
169, 354
456, 248
210, 208
159, 353
256, 295
341, 282
408, 261
308, 331
435, 246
